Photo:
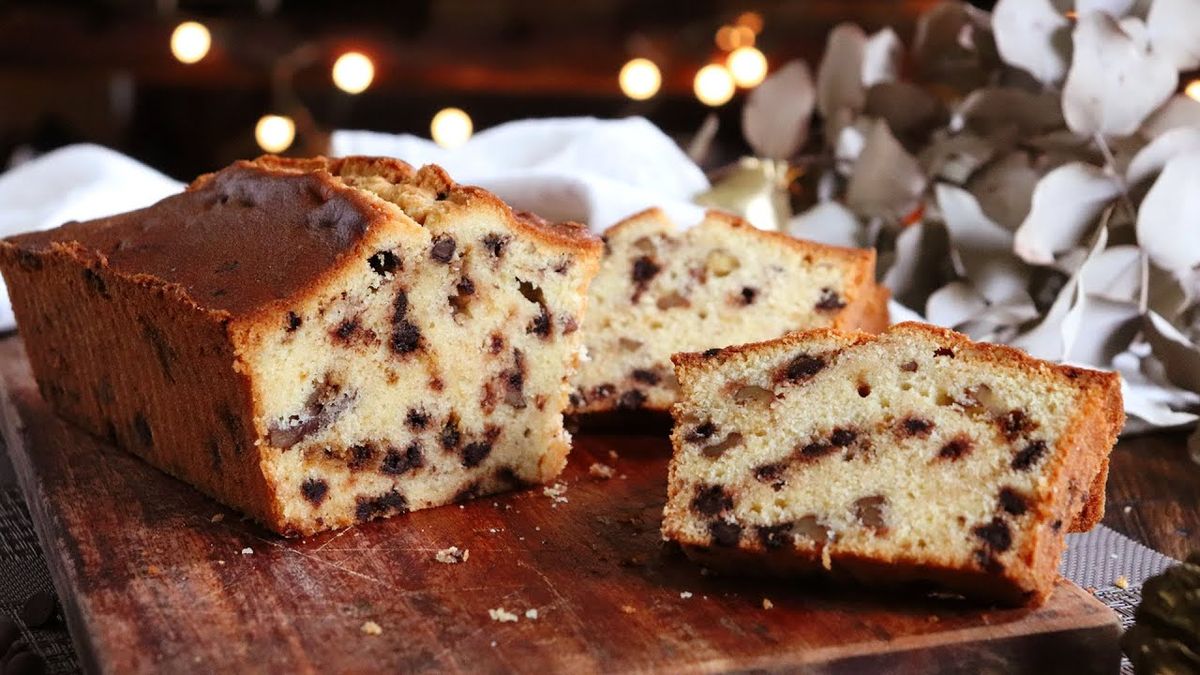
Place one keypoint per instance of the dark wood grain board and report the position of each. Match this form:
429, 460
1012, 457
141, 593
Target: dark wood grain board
151, 584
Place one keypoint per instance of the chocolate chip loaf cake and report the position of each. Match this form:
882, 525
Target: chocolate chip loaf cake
915, 456
314, 342
662, 290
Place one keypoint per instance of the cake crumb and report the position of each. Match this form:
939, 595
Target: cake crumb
217, 518
826, 559
612, 454
371, 628
601, 471
531, 614
767, 604
502, 615
556, 492
247, 551
628, 609
1127, 509
685, 595
452, 555
153, 570
1121, 582
220, 562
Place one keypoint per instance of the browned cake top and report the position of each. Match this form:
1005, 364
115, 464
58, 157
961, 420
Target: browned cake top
256, 232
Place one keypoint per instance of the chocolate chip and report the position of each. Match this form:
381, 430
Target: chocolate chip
645, 376
361, 455
870, 512
142, 428
442, 195
496, 343
324, 405
406, 337
38, 609
95, 282
916, 426
386, 504
541, 324
709, 353
314, 490
864, 390
396, 462
701, 432
292, 322
842, 437
345, 330
1014, 423
815, 450
749, 293
995, 534
910, 367
25, 663
802, 367
772, 474
451, 437
987, 560
775, 536
830, 300
384, 262
474, 453
603, 391
1027, 457
644, 269
711, 500
417, 419
631, 400
495, 243
1056, 525
29, 261
443, 248
725, 534
944, 351
955, 449
162, 349
1013, 502
468, 492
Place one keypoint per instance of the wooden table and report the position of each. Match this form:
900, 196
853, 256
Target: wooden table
1155, 478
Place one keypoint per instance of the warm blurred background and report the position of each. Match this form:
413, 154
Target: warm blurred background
183, 85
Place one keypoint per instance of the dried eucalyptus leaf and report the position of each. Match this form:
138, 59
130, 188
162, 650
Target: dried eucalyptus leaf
1053, 337
1154, 156
882, 55
1169, 295
1114, 8
953, 45
999, 323
1179, 111
911, 111
828, 223
1004, 188
954, 158
1032, 35
701, 144
954, 304
887, 181
1147, 392
776, 117
1111, 326
1114, 83
922, 251
1065, 204
839, 79
983, 248
993, 110
850, 143
1116, 274
1179, 356
1167, 219
1174, 31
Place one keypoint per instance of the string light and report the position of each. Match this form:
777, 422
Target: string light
451, 127
713, 85
640, 79
190, 42
751, 20
1193, 90
747, 65
729, 38
353, 72
275, 133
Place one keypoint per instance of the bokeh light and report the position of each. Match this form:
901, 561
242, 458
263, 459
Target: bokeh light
353, 72
747, 65
1193, 90
190, 41
640, 79
275, 133
451, 127
713, 85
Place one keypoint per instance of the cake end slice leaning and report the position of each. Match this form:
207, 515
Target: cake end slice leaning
915, 457
314, 342
662, 289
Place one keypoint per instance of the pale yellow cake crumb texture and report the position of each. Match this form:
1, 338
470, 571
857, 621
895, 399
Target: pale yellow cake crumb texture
663, 289
912, 456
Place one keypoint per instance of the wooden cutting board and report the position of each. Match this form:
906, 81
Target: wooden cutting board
150, 583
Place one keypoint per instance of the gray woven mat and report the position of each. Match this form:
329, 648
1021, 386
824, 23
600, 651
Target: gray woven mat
1093, 560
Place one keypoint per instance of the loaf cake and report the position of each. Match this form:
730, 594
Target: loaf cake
314, 342
662, 290
911, 457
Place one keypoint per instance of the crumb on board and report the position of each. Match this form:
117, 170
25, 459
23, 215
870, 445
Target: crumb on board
1127, 509
452, 555
556, 492
371, 628
601, 471
767, 604
247, 551
1121, 582
685, 595
628, 609
531, 614
502, 615
217, 518
612, 454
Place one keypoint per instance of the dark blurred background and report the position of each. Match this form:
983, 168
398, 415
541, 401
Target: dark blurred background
104, 71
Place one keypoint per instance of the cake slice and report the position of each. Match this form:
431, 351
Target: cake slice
663, 290
914, 456
314, 342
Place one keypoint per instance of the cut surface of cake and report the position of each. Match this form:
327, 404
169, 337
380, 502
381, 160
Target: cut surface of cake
662, 290
912, 457
314, 342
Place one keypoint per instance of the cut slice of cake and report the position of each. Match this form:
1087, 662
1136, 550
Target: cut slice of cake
314, 342
914, 456
663, 290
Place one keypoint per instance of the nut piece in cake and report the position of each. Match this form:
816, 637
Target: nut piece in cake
911, 457
662, 289
315, 342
